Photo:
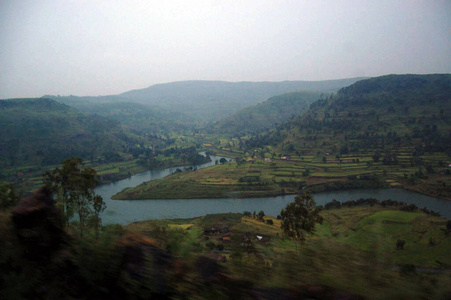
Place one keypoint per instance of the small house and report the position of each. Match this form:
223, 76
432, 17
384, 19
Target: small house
227, 236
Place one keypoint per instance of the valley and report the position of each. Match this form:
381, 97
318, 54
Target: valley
390, 131
337, 144
157, 160
240, 150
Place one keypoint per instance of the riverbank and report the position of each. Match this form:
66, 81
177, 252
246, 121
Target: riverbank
265, 178
219, 181
113, 172
29, 179
432, 186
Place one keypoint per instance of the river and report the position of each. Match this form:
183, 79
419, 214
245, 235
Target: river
128, 211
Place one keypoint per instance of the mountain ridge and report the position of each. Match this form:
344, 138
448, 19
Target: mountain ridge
200, 101
213, 100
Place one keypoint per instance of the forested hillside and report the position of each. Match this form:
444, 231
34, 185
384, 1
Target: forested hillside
42, 132
278, 109
140, 117
383, 113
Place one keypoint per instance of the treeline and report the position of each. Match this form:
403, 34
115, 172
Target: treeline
334, 204
363, 183
155, 158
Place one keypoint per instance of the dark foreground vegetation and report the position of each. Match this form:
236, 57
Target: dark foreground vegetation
356, 250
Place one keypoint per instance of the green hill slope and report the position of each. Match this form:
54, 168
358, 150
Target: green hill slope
266, 115
384, 113
140, 117
43, 131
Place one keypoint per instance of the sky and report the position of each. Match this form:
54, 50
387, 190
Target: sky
91, 48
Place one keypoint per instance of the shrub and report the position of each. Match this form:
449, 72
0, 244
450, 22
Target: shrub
407, 269
400, 244
247, 214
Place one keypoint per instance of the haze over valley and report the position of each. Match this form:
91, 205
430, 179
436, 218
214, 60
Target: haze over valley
223, 150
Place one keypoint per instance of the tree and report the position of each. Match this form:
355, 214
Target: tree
210, 245
8, 196
376, 156
299, 217
240, 161
261, 215
98, 206
73, 185
400, 244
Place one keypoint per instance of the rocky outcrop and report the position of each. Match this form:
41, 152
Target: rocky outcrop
38, 224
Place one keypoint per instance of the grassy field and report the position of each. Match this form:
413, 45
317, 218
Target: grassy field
367, 229
353, 250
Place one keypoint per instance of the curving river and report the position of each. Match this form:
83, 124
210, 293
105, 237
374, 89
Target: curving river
128, 211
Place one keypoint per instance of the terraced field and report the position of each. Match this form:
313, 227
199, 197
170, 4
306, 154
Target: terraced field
260, 178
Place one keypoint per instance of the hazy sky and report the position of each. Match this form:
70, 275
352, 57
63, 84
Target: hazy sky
108, 47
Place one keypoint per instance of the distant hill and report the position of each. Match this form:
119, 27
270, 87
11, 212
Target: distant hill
42, 132
378, 114
173, 106
214, 100
140, 117
265, 115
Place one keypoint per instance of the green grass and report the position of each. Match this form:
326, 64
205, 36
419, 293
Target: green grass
380, 231
362, 229
354, 249
229, 179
